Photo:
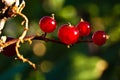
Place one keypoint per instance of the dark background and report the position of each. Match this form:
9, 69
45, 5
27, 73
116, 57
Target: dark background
83, 61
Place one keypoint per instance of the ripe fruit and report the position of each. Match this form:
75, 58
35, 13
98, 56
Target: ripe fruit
9, 50
99, 37
68, 34
84, 28
47, 24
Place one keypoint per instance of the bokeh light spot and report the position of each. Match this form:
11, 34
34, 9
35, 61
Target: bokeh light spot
39, 49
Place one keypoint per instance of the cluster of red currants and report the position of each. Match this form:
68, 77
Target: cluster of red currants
67, 33
70, 34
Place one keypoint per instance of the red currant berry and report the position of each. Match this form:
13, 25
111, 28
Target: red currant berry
9, 50
47, 24
68, 34
84, 28
99, 37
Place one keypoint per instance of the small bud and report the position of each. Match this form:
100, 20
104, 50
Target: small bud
53, 16
107, 36
68, 46
81, 20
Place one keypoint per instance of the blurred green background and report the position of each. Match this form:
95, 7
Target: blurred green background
83, 61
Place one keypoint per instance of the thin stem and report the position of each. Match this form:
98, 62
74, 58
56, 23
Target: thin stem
35, 37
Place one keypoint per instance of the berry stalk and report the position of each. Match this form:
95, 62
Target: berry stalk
35, 37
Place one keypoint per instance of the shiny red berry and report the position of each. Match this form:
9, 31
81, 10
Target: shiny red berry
47, 24
68, 34
84, 28
9, 50
99, 37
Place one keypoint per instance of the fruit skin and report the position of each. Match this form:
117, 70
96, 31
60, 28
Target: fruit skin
99, 38
84, 28
68, 34
9, 51
47, 24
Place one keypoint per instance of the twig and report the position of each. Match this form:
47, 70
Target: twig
35, 37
